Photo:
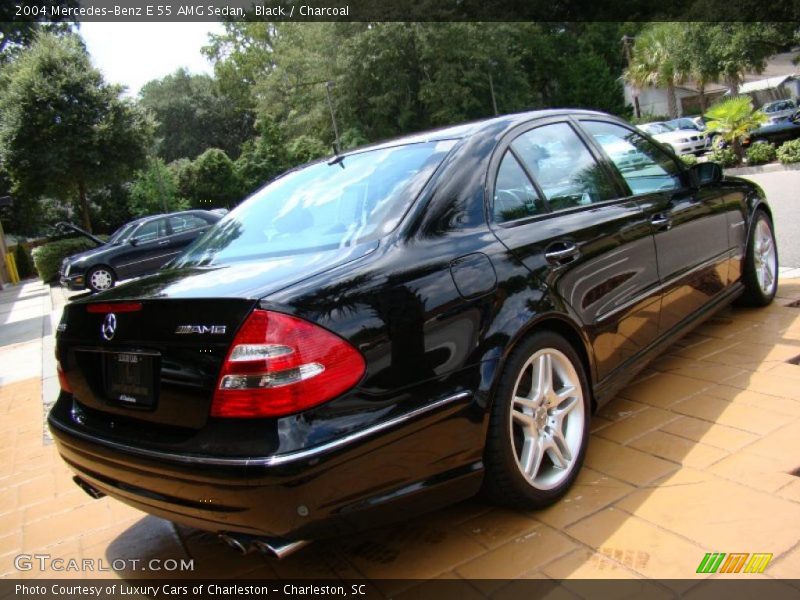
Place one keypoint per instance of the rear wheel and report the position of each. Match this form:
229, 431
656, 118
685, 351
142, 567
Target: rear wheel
760, 275
100, 278
539, 424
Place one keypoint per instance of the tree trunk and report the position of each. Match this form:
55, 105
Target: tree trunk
702, 97
733, 85
738, 150
672, 102
87, 221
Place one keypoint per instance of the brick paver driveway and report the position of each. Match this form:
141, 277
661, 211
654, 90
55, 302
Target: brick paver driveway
696, 456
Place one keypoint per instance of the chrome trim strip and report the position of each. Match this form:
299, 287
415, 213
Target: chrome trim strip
267, 461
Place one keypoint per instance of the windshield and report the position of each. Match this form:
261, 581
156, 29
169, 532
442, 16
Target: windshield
323, 206
778, 106
121, 233
655, 128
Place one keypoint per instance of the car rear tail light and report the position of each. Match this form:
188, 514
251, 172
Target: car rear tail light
279, 365
62, 378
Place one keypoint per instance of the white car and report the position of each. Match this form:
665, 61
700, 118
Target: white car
680, 141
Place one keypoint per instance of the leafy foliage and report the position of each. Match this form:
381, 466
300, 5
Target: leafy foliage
63, 131
193, 113
789, 152
657, 61
155, 189
725, 157
733, 119
210, 181
688, 159
24, 261
759, 154
47, 258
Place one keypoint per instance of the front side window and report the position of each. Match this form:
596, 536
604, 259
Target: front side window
562, 165
326, 205
181, 223
150, 231
645, 167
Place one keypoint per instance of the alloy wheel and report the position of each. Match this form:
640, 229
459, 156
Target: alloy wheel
765, 257
101, 279
547, 418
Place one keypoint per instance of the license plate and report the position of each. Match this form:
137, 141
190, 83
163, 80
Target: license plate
130, 379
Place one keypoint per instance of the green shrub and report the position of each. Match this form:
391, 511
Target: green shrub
760, 153
23, 259
47, 258
724, 157
689, 159
789, 152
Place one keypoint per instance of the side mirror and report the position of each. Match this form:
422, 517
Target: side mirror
706, 173
133, 242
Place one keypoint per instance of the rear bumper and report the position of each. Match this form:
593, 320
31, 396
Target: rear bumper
388, 473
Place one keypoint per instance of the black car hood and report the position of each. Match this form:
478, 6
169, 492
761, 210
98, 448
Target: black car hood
253, 279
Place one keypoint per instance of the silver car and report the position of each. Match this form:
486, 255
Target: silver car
779, 110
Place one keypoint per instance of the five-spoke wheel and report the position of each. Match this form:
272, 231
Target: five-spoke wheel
539, 423
760, 275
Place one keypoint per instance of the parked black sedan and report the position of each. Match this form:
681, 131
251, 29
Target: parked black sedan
137, 248
394, 329
775, 133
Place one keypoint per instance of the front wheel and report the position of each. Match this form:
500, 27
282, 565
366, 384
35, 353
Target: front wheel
100, 278
539, 424
760, 275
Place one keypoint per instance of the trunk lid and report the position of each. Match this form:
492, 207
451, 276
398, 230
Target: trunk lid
151, 350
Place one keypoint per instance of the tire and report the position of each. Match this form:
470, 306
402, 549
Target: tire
558, 429
100, 279
760, 275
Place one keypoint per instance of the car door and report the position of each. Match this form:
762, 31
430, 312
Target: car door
142, 251
689, 224
560, 212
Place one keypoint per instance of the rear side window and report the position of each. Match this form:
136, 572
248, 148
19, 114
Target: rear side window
180, 223
562, 165
514, 194
644, 166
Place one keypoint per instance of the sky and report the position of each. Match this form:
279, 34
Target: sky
134, 53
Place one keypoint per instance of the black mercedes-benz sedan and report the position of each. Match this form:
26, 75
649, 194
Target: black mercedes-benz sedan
135, 249
394, 329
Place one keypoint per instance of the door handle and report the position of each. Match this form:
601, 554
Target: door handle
163, 243
561, 253
661, 221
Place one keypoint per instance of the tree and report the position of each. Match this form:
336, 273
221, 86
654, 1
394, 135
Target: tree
737, 48
155, 190
733, 119
17, 33
193, 114
262, 158
63, 130
211, 180
657, 61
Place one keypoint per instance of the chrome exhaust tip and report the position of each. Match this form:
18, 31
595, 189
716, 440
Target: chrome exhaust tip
278, 548
237, 542
88, 488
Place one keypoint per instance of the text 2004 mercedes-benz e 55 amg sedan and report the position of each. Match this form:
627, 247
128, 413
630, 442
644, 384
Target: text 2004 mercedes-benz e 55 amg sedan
397, 328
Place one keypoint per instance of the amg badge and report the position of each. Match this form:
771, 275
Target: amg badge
212, 329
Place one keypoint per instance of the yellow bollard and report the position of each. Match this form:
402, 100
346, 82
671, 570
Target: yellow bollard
11, 265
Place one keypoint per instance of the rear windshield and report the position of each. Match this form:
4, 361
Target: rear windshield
322, 206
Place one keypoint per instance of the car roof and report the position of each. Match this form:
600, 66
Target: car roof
141, 220
465, 130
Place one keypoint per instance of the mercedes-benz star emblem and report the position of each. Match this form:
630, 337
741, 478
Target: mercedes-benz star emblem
109, 326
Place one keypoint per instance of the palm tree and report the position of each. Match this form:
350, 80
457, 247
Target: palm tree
733, 119
657, 61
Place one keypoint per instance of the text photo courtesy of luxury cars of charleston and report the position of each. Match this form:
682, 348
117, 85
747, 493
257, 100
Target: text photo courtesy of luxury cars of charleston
477, 291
